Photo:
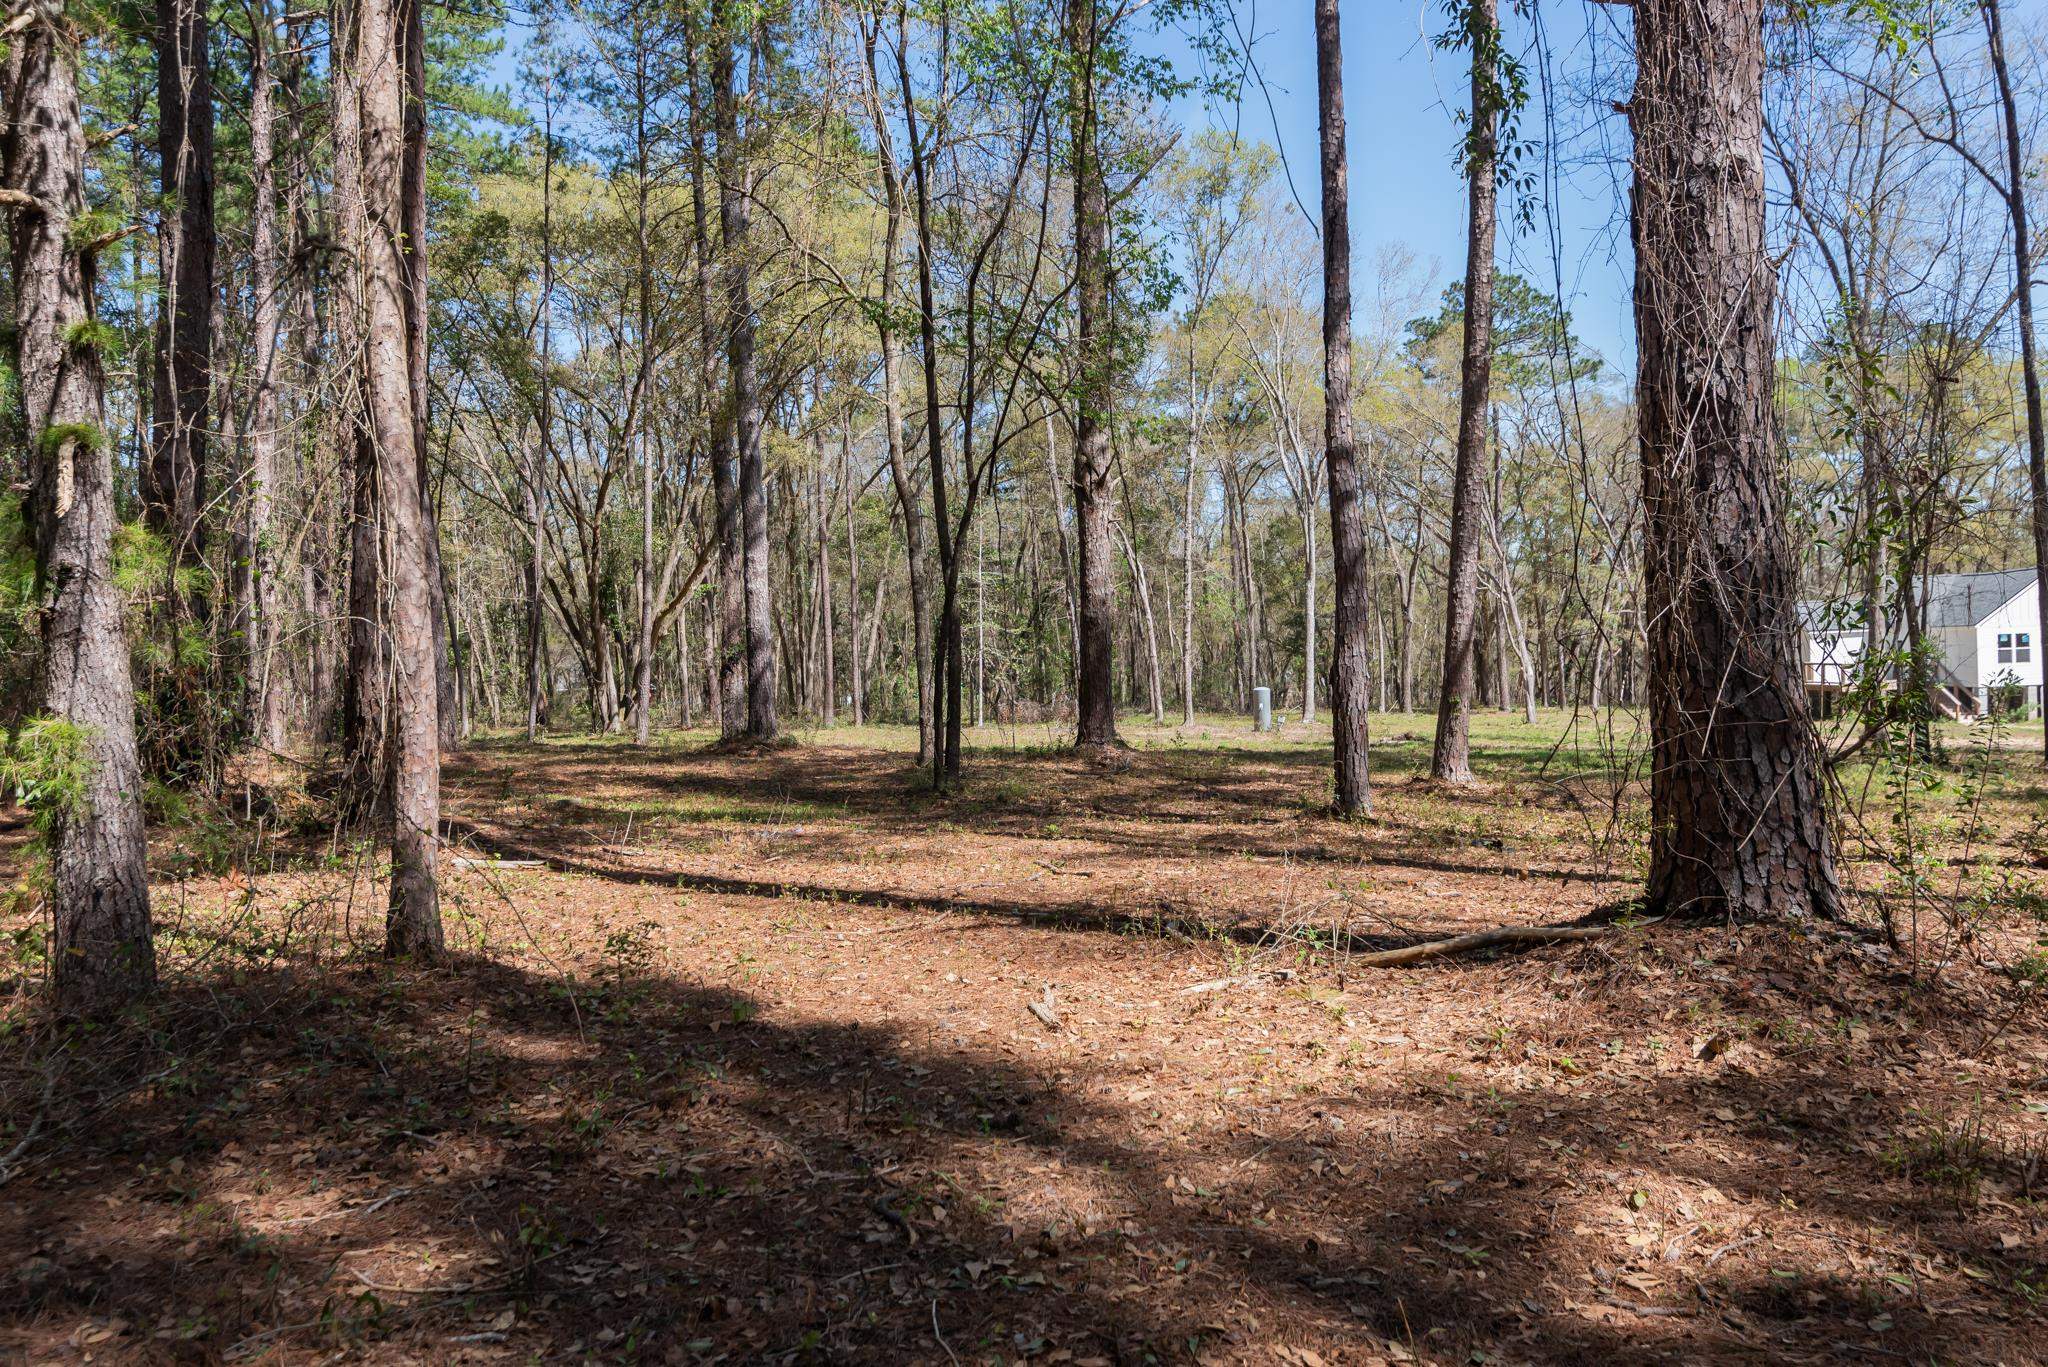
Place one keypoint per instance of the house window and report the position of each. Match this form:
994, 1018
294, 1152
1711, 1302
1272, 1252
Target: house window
2023, 649
2005, 647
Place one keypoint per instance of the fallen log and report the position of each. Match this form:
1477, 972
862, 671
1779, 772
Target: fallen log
1485, 939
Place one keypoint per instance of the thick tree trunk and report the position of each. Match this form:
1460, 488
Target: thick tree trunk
1738, 821
413, 926
734, 190
174, 477
1451, 757
1350, 683
1093, 395
101, 954
266, 282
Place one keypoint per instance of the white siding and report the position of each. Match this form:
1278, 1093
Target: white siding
2020, 617
1831, 656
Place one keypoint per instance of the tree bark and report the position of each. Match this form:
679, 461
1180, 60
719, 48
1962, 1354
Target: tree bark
1451, 757
1349, 670
173, 479
727, 671
1095, 703
733, 196
101, 954
266, 280
364, 682
413, 924
1738, 822
412, 37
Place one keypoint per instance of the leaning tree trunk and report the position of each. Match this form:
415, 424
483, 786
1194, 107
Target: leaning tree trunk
1451, 757
413, 926
101, 954
1738, 821
1094, 684
174, 477
1349, 673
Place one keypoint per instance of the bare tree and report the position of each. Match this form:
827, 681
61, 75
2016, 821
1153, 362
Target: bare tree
902, 479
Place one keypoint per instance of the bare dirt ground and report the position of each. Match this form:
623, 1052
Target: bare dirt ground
777, 1057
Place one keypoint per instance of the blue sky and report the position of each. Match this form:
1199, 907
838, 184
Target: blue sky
1402, 96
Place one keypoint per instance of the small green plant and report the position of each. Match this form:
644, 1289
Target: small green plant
47, 766
93, 334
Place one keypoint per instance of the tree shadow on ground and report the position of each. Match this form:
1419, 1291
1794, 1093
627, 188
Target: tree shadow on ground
490, 1162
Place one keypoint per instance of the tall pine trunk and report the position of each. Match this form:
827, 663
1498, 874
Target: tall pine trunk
174, 477
102, 954
413, 925
412, 37
1350, 679
1451, 757
1738, 822
1095, 703
266, 280
734, 190
365, 682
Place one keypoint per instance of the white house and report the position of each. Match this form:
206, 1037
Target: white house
1987, 628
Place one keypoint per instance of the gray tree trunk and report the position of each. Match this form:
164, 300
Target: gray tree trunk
734, 189
413, 924
265, 681
174, 477
101, 954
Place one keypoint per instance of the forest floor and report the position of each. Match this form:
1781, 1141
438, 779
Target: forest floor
778, 1056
